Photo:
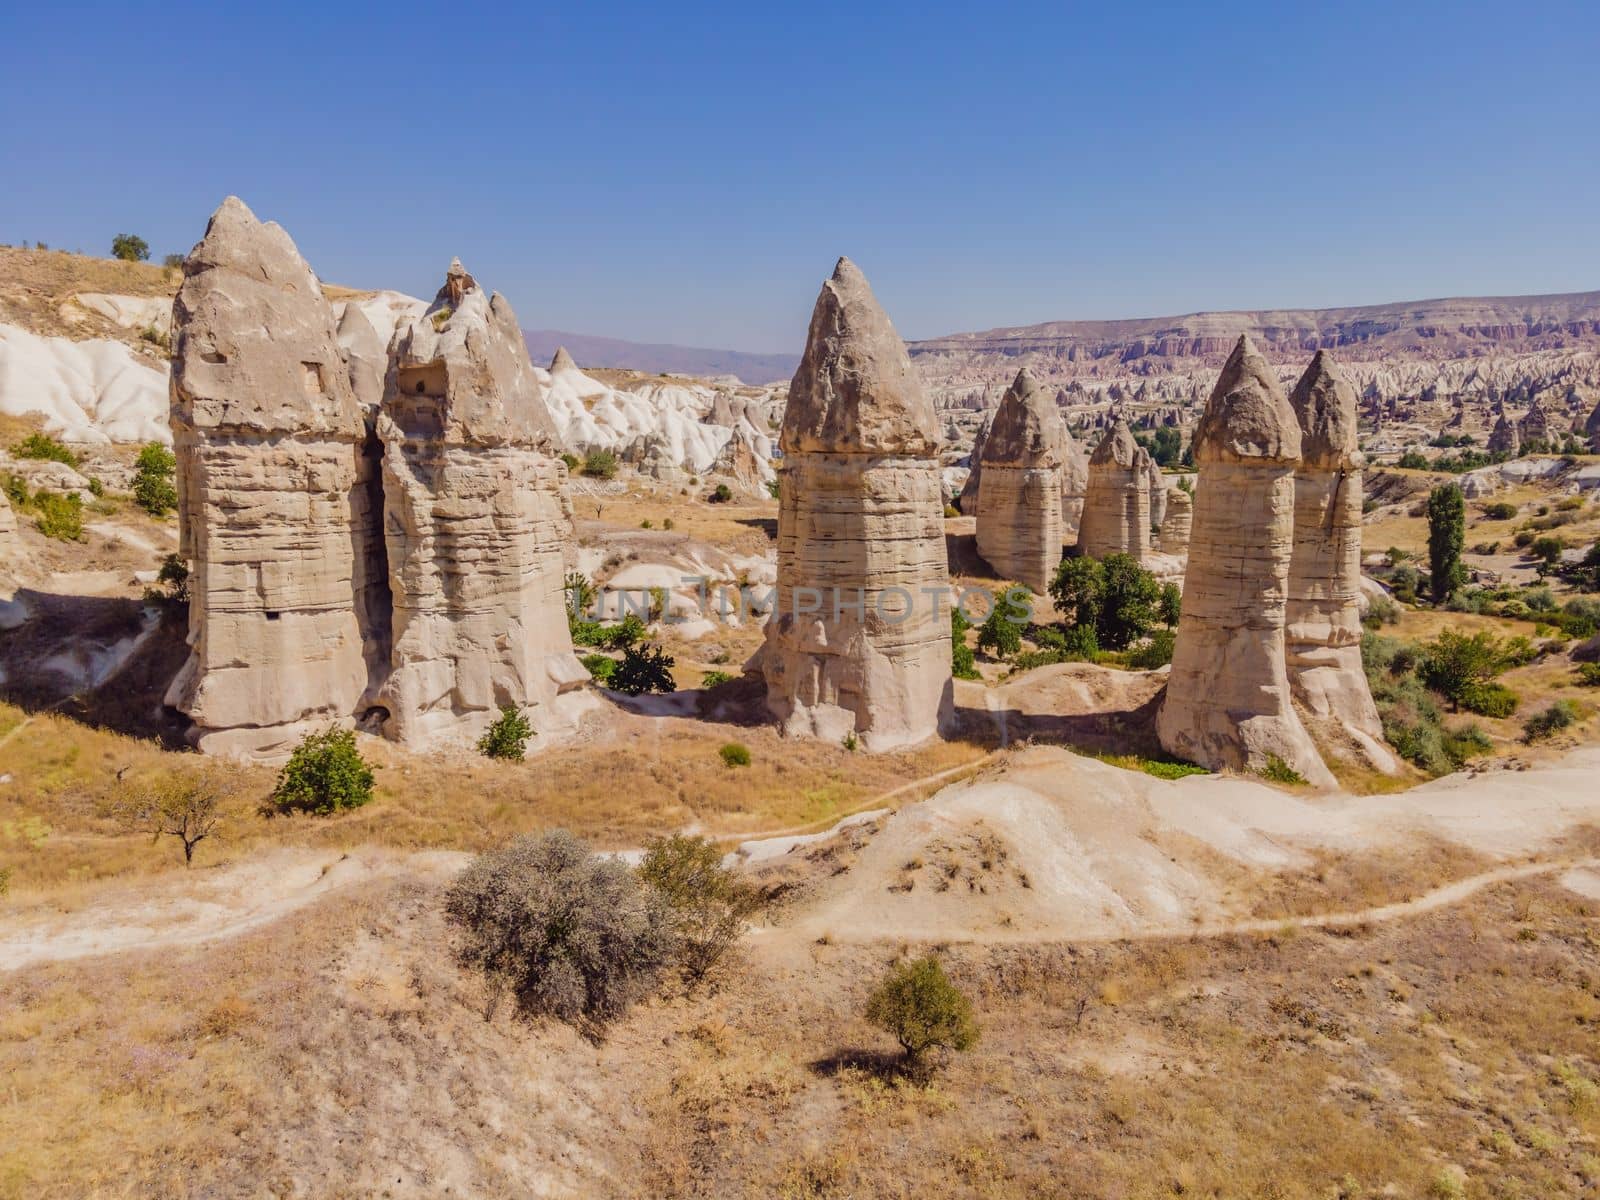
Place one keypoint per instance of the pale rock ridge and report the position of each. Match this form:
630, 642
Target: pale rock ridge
1116, 507
860, 538
1158, 490
474, 524
1019, 497
1322, 623
1074, 488
1176, 526
1505, 437
1228, 702
268, 436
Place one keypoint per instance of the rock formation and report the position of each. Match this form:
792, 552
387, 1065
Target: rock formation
1535, 424
1176, 525
1591, 429
1323, 613
1116, 507
473, 522
1074, 487
1019, 497
268, 437
1158, 490
1504, 437
1228, 701
859, 641
967, 501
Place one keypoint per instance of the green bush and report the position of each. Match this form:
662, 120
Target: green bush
1500, 511
922, 1009
1549, 722
721, 494
153, 490
1454, 662
172, 583
600, 666
713, 679
774, 488
59, 516
708, 904
1589, 674
324, 774
646, 667
734, 754
1278, 771
962, 663
600, 464
563, 932
1381, 611
43, 446
1170, 607
508, 736
130, 247
571, 460
1154, 653
1115, 596
1001, 631
1548, 548
1489, 699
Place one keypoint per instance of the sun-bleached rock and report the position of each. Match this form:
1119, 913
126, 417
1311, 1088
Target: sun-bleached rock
1505, 437
474, 522
1158, 490
858, 643
1116, 508
1176, 525
1591, 429
268, 436
1074, 488
967, 500
92, 392
1228, 701
1322, 622
1019, 498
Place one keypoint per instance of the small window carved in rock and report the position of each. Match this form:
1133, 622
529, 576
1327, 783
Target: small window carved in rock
313, 378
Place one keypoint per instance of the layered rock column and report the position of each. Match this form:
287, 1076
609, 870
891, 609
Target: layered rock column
1158, 489
1228, 701
1323, 613
859, 640
1019, 492
1176, 525
1074, 487
1116, 508
268, 434
474, 524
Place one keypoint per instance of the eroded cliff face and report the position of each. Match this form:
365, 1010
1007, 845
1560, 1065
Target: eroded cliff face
473, 522
1116, 508
859, 642
1019, 528
1323, 613
268, 437
1228, 702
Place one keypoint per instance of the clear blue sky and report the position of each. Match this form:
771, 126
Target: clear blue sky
687, 173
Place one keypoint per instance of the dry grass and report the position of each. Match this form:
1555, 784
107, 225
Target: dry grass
340, 1053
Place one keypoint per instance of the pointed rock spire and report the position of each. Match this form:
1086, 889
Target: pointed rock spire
1117, 448
562, 361
1325, 405
1027, 430
855, 391
1247, 416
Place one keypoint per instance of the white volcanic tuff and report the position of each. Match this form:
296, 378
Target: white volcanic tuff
96, 391
667, 420
1116, 507
474, 523
860, 519
1019, 531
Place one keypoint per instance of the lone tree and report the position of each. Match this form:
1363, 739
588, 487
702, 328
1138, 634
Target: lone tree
508, 736
324, 774
153, 489
187, 807
1114, 596
130, 247
709, 903
1447, 530
917, 1003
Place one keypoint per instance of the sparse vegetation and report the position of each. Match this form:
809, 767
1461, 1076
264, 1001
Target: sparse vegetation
507, 737
130, 247
1278, 771
708, 903
41, 446
713, 679
1550, 721
600, 464
153, 488
325, 774
734, 754
645, 667
923, 1010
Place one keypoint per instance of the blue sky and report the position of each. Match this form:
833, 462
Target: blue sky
688, 173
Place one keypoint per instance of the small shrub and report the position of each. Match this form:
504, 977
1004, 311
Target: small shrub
1154, 653
668, 523
950, 510
1489, 699
130, 247
1001, 631
42, 446
720, 494
600, 464
713, 679
324, 774
962, 663
1548, 548
1589, 674
644, 668
600, 666
508, 736
172, 583
647, 523
156, 337
153, 490
774, 487
851, 742
563, 932
922, 1009
1500, 510
1278, 771
708, 903
1549, 722
734, 754
571, 460
59, 516
1381, 611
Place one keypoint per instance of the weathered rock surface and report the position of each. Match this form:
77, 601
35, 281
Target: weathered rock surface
968, 499
1323, 612
1591, 429
1158, 490
1176, 526
268, 437
474, 524
1019, 496
1228, 701
1504, 437
859, 642
1074, 488
1116, 508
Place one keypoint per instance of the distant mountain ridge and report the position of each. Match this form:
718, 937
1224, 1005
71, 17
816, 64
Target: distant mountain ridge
1444, 328
591, 351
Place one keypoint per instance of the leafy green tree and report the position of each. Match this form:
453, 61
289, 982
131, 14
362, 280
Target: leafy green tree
1453, 663
130, 247
324, 774
600, 464
1115, 596
1171, 605
153, 489
1447, 525
1001, 631
962, 664
508, 736
646, 667
709, 904
917, 1003
734, 754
